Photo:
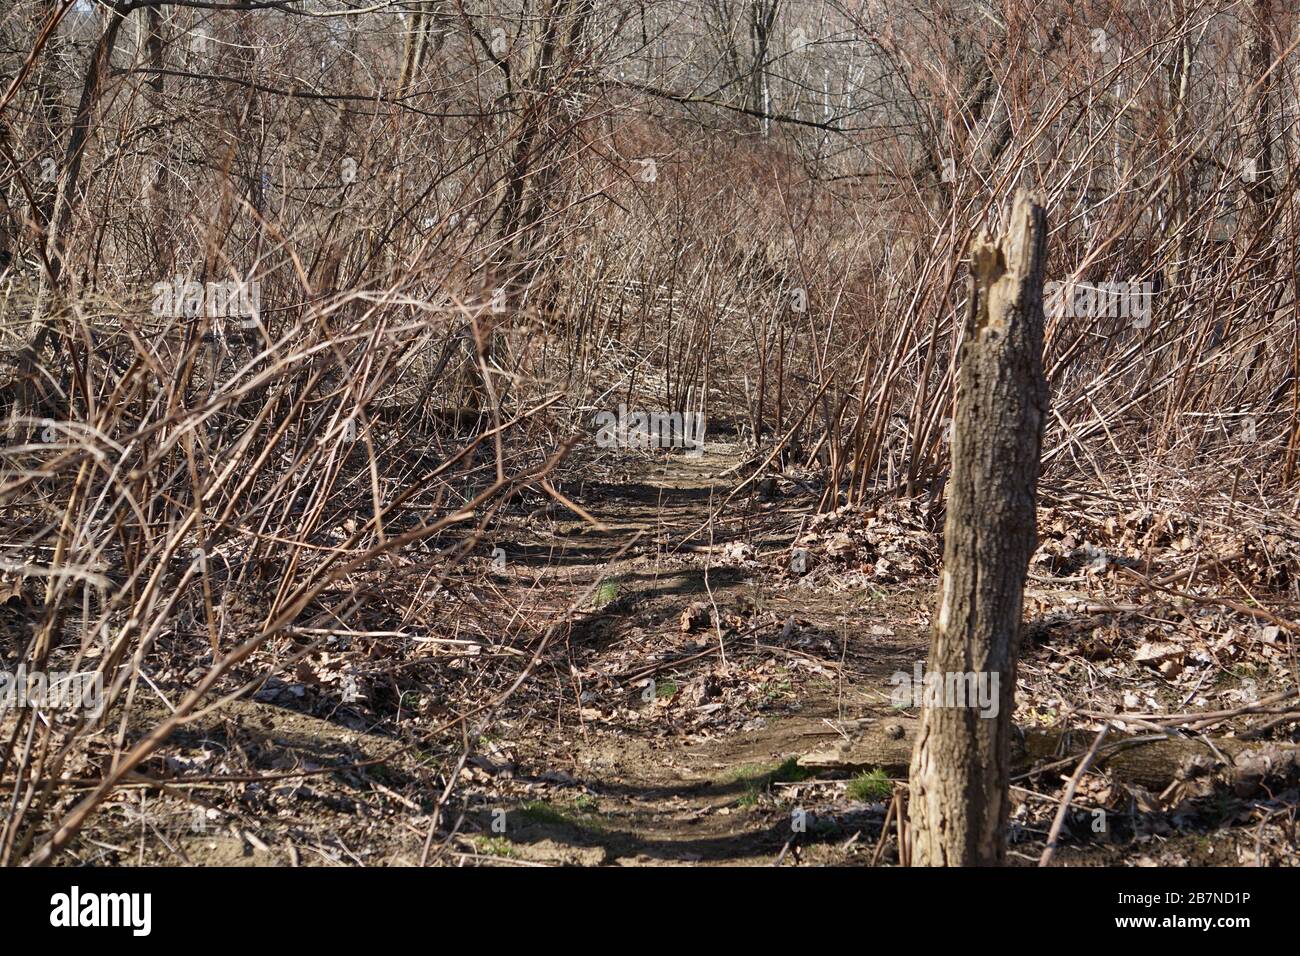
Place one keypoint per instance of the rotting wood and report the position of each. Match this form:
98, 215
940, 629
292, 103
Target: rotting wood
1152, 762
958, 805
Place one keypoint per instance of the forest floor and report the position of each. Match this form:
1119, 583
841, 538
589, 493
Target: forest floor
697, 656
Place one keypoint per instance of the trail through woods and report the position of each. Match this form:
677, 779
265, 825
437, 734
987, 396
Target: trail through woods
757, 659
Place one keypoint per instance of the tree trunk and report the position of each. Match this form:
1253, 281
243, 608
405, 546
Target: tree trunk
961, 764
1259, 150
66, 194
535, 170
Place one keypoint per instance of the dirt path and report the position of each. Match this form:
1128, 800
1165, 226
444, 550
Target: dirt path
694, 768
662, 722
633, 741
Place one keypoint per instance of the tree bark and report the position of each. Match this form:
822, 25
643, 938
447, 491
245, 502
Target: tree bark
961, 764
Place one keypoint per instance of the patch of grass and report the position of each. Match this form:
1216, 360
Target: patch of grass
790, 772
775, 691
494, 846
787, 772
870, 786
744, 772
539, 811
758, 779
667, 689
605, 593
578, 815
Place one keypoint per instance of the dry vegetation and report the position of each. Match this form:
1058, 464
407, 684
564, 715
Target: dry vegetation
474, 225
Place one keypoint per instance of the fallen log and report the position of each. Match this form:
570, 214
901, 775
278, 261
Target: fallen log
1152, 762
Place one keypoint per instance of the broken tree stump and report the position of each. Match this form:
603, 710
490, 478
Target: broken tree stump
961, 767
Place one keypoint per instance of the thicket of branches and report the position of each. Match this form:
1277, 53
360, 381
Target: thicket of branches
472, 224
